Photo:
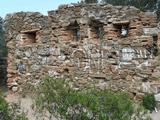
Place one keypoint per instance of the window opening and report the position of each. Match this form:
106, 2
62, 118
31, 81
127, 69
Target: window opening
124, 31
154, 48
99, 31
97, 28
122, 28
76, 33
74, 28
28, 37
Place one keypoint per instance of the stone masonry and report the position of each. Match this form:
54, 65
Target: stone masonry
109, 46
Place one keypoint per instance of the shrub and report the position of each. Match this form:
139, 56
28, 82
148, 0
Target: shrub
149, 102
22, 116
8, 112
57, 96
4, 110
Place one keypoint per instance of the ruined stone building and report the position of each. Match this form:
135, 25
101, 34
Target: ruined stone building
109, 46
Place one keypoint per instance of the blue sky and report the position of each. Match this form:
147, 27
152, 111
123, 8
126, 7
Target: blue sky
11, 6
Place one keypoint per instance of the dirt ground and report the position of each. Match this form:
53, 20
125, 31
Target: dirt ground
155, 115
26, 105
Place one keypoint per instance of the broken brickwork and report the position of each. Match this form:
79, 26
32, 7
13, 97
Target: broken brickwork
109, 46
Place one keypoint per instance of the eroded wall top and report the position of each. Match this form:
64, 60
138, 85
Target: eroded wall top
103, 13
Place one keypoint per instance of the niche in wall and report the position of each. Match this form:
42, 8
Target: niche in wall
154, 48
74, 31
122, 28
28, 37
96, 29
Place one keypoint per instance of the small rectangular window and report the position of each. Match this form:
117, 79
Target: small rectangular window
74, 29
122, 27
28, 37
76, 34
154, 48
97, 30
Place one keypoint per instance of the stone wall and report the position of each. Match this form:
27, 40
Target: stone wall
108, 46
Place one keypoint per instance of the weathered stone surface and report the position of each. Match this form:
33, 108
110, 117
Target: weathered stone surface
151, 31
87, 43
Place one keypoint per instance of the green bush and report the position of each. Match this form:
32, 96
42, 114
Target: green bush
7, 112
149, 102
4, 110
57, 96
21, 117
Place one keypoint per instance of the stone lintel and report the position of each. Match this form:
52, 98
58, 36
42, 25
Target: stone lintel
98, 76
30, 31
124, 22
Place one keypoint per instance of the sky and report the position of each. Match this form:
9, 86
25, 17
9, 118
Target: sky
12, 6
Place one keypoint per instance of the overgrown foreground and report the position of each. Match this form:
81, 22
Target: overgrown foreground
56, 96
66, 103
10, 112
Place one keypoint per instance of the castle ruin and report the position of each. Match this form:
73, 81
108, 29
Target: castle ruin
110, 46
